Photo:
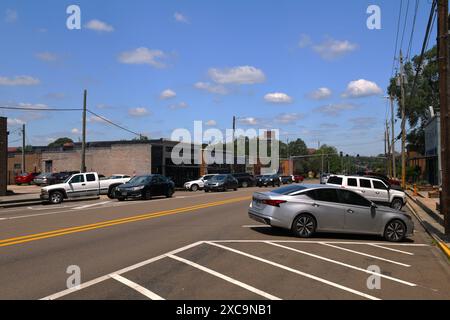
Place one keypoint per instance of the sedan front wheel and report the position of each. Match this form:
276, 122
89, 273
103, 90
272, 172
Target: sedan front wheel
395, 231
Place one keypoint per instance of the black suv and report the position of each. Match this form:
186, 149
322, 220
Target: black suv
245, 180
146, 187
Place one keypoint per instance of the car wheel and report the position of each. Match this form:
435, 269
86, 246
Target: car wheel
111, 193
121, 199
206, 190
169, 193
245, 184
147, 195
56, 197
395, 231
397, 204
194, 187
304, 226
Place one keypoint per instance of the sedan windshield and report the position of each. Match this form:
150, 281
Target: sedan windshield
139, 180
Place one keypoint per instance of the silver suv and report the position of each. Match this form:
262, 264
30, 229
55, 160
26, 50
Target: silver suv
375, 190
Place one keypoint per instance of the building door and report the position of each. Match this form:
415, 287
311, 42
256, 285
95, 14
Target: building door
48, 166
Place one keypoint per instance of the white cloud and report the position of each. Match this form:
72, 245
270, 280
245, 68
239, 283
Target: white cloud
179, 17
320, 94
217, 89
278, 97
46, 56
138, 112
11, 16
19, 81
211, 123
363, 123
75, 131
15, 122
167, 94
99, 26
336, 109
237, 75
331, 49
94, 119
249, 121
181, 105
143, 56
288, 118
362, 88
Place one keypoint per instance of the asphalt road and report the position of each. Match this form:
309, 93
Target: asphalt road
202, 246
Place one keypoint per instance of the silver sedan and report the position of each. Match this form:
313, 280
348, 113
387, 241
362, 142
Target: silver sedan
307, 209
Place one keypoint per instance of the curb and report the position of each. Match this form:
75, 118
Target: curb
14, 204
444, 248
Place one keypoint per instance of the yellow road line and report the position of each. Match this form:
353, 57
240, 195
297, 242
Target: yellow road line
108, 223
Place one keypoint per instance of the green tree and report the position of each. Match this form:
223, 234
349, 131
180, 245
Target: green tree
60, 142
426, 93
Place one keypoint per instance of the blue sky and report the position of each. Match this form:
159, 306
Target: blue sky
309, 68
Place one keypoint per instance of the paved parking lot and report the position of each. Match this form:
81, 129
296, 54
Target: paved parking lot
274, 270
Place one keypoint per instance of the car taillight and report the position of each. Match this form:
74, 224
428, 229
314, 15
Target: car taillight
274, 203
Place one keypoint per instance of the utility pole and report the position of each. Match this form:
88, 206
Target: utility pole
83, 143
394, 170
388, 158
23, 148
445, 109
233, 168
402, 88
385, 148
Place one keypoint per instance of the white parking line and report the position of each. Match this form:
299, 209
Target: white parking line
390, 249
133, 285
226, 278
257, 226
119, 272
307, 275
321, 242
343, 264
366, 255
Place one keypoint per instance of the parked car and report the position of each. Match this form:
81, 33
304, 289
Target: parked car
43, 179
374, 189
392, 181
198, 184
117, 176
324, 178
245, 180
60, 177
26, 178
269, 180
298, 178
146, 187
287, 179
307, 209
221, 182
80, 185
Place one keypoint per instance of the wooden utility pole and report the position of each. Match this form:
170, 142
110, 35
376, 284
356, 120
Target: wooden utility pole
83, 143
445, 109
403, 97
394, 171
23, 148
388, 159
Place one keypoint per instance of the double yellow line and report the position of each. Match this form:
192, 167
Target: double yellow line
109, 223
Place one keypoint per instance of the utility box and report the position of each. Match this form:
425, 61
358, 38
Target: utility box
3, 155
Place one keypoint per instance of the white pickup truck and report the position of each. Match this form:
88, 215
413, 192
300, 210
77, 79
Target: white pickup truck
82, 185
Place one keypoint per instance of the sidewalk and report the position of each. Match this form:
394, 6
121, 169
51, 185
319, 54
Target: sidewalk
432, 220
20, 195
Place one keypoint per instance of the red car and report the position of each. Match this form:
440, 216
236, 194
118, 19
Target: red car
298, 178
26, 178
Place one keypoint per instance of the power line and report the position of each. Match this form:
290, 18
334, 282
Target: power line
114, 124
396, 38
404, 25
412, 30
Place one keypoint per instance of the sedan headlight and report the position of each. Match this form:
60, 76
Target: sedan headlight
138, 188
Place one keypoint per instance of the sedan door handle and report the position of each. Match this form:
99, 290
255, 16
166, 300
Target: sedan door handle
350, 211
315, 205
